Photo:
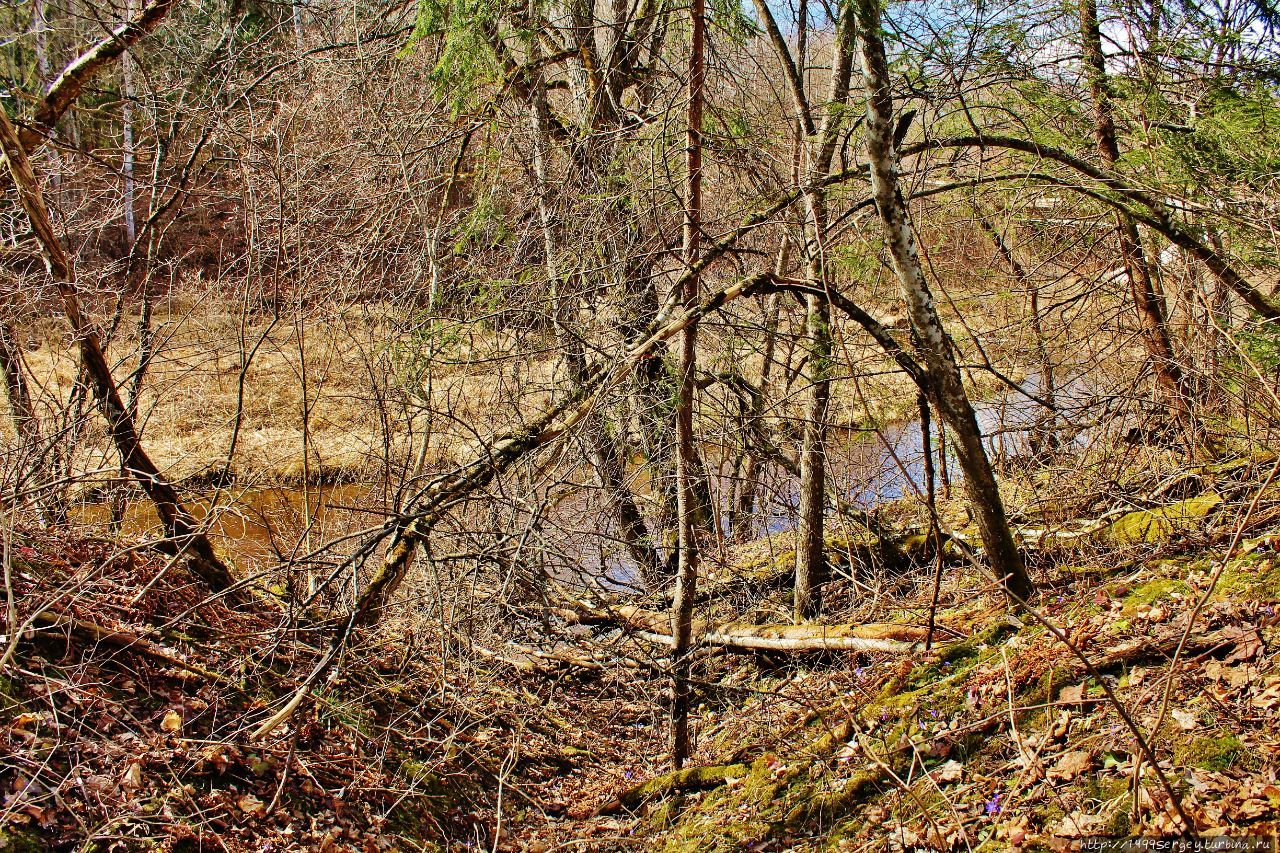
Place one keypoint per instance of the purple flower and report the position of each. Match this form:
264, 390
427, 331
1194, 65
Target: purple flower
992, 806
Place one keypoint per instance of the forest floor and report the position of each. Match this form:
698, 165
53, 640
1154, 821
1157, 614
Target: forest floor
128, 698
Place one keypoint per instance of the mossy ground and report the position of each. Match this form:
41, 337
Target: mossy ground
1001, 739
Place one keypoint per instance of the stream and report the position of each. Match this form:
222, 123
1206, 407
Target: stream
871, 467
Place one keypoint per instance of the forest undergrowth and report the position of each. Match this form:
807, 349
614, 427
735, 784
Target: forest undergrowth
132, 695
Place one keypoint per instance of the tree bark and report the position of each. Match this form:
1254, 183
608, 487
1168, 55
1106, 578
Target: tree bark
686, 499
63, 92
182, 532
931, 340
810, 541
1148, 299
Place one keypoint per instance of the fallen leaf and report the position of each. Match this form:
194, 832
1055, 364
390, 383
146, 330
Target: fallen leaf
132, 775
1186, 720
172, 722
1251, 809
1061, 725
251, 805
1246, 649
24, 720
1078, 825
1070, 765
1072, 695
952, 771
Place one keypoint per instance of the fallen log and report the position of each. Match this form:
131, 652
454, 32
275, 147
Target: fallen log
677, 781
883, 637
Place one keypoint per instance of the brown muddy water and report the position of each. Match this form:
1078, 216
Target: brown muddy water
261, 528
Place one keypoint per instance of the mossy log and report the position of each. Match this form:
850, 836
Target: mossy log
1153, 526
677, 781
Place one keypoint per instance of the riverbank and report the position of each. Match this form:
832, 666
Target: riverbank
130, 722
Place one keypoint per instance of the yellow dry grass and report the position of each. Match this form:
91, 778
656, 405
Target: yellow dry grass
193, 401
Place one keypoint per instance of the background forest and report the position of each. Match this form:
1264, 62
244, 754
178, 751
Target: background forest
620, 424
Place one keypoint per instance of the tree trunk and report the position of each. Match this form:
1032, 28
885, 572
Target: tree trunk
183, 535
686, 544
930, 337
1148, 298
607, 458
810, 542
812, 166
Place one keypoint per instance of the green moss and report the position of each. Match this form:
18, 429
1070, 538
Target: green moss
751, 806
1152, 526
16, 840
1103, 788
1253, 577
689, 779
960, 656
833, 805
1045, 688
1209, 753
773, 558
665, 814
1152, 591
420, 815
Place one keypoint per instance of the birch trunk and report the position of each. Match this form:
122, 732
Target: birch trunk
931, 339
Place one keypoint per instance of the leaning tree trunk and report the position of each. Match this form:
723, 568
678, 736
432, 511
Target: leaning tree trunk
1148, 298
686, 543
930, 337
182, 532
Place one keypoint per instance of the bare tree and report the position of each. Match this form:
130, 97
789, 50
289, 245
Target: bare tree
931, 340
184, 535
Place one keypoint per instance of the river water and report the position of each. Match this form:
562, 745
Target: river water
265, 526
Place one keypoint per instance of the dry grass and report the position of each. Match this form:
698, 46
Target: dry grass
194, 399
